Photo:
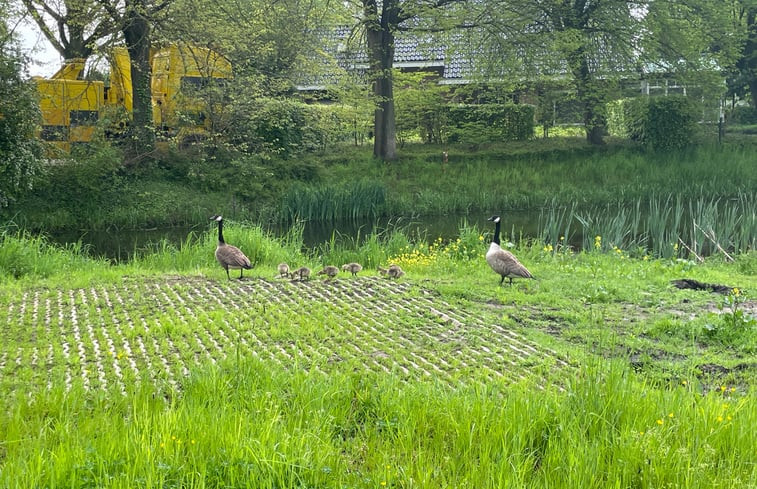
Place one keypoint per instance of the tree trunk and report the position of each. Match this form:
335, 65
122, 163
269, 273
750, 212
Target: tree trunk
749, 55
137, 35
381, 59
590, 96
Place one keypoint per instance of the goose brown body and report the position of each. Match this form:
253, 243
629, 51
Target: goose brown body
230, 257
329, 270
502, 261
283, 269
353, 268
302, 273
394, 271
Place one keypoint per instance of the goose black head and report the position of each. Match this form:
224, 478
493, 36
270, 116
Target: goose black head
216, 217
494, 219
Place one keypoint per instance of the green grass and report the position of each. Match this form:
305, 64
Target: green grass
243, 425
518, 175
163, 373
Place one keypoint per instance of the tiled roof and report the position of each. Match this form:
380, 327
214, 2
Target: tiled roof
411, 51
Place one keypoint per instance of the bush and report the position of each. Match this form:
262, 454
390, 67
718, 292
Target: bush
20, 151
285, 128
490, 122
743, 115
660, 123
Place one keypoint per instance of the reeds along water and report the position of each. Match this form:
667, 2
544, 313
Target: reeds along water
664, 226
359, 200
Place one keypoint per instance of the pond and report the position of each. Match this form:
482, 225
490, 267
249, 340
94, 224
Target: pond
120, 246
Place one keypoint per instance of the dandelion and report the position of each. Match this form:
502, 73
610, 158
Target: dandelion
383, 483
480, 237
722, 388
670, 415
720, 419
684, 383
729, 418
548, 248
659, 422
192, 442
736, 291
733, 389
598, 242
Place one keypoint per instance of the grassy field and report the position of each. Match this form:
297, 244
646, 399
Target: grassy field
163, 373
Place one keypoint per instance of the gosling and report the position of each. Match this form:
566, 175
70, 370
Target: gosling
394, 271
330, 271
283, 270
353, 268
302, 273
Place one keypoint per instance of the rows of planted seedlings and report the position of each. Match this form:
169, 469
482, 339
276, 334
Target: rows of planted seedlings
107, 338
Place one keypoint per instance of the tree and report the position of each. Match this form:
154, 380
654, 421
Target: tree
20, 151
135, 19
745, 20
597, 43
81, 27
381, 20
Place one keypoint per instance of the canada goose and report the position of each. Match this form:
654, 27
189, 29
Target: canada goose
283, 270
330, 271
302, 273
230, 257
394, 271
502, 261
352, 268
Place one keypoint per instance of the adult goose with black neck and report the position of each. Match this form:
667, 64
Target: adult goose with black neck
502, 261
230, 257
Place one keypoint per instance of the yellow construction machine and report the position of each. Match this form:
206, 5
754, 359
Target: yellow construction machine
72, 107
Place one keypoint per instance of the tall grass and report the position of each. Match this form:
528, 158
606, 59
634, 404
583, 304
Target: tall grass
25, 255
495, 179
352, 200
247, 425
664, 226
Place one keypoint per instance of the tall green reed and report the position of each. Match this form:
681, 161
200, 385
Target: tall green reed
664, 226
354, 200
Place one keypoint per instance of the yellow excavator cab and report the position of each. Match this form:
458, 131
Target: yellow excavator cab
71, 107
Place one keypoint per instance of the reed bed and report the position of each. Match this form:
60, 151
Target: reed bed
669, 226
362, 199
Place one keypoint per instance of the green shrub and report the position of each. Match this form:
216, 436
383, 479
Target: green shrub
20, 152
659, 123
285, 128
490, 122
743, 115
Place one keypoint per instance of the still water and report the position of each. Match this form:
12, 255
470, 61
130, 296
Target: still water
121, 245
